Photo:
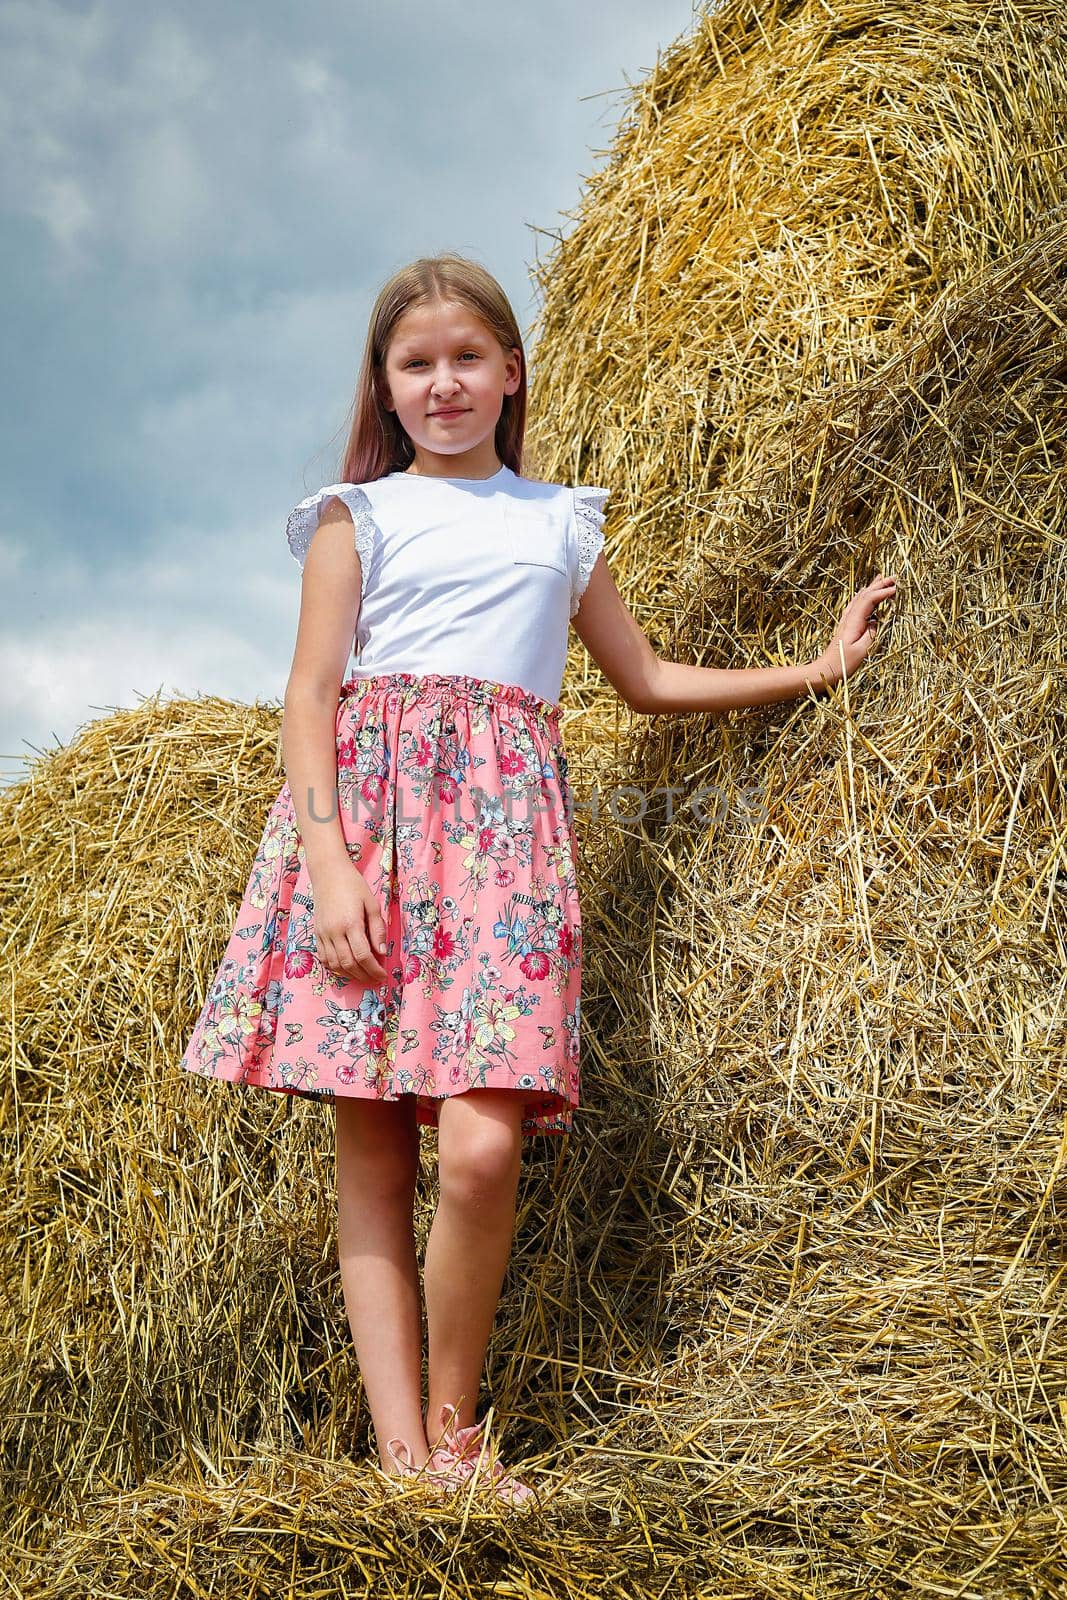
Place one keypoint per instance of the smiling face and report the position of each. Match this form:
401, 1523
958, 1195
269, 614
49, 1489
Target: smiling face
446, 376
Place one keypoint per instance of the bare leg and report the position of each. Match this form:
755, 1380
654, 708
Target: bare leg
377, 1164
479, 1159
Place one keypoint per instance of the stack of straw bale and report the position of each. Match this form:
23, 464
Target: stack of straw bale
786, 1313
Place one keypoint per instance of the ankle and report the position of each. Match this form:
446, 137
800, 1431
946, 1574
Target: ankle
450, 1414
401, 1455
400, 1419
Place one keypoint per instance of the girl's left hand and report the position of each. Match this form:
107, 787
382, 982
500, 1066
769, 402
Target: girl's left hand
857, 632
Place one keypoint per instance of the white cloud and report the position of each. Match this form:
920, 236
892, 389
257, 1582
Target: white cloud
47, 116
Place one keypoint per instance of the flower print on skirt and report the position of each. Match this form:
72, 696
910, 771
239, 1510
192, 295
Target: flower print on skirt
454, 803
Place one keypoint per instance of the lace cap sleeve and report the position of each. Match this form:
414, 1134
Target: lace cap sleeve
304, 519
589, 537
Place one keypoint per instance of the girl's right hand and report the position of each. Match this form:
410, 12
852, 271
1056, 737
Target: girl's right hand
349, 928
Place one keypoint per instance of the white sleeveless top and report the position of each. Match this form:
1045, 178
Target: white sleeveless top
465, 575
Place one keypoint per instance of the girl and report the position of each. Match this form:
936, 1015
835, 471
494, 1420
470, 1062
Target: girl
409, 942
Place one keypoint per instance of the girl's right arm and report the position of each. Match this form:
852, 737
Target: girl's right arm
349, 928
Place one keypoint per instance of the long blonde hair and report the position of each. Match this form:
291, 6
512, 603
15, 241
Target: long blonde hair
377, 443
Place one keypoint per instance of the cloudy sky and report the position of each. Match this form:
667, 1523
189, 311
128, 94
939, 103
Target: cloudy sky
200, 202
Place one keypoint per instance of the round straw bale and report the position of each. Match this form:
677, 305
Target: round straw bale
849, 1034
789, 189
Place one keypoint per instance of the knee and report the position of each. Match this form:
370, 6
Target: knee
377, 1156
480, 1167
372, 1181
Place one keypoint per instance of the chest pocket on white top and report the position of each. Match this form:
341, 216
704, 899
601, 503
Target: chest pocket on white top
536, 538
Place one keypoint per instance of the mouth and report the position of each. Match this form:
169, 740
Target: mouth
450, 411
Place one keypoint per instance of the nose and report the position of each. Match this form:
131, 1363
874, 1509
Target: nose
445, 381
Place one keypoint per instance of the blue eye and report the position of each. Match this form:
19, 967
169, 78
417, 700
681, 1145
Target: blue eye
417, 361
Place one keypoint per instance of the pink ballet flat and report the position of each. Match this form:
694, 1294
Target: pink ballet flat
460, 1453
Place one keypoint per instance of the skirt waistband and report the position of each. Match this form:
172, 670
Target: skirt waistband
420, 686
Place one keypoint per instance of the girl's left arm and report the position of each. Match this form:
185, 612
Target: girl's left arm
613, 637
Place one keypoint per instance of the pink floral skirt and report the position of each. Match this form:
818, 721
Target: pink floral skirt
454, 803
